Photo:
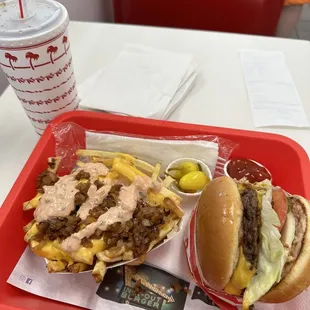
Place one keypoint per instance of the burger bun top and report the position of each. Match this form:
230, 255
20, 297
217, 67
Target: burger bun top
218, 223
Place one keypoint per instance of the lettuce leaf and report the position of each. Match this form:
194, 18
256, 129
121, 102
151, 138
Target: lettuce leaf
271, 258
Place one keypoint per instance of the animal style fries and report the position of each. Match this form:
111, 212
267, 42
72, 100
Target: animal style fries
112, 208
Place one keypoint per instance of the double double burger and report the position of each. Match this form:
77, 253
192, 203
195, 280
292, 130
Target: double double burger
253, 241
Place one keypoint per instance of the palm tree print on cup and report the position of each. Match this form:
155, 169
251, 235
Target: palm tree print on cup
52, 50
31, 56
64, 42
11, 59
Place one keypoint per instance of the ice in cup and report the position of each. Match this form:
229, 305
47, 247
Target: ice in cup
36, 59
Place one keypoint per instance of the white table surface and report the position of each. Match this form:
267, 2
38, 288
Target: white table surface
219, 97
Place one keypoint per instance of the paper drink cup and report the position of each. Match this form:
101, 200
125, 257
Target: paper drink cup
36, 59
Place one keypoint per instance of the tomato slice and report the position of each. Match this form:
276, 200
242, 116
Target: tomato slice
280, 205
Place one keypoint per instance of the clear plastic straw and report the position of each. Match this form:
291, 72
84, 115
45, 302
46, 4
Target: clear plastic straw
22, 5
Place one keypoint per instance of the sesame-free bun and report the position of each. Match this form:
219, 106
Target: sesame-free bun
219, 218
298, 278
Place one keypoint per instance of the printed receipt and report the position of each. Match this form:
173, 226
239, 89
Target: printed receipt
273, 96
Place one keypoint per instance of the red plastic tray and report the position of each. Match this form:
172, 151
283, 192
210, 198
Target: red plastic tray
286, 160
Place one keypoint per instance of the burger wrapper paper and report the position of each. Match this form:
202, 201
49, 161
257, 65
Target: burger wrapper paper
223, 300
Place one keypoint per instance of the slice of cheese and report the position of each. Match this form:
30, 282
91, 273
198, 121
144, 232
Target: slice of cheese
241, 277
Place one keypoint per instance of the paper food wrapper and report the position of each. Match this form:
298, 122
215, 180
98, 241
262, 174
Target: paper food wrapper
43, 79
223, 300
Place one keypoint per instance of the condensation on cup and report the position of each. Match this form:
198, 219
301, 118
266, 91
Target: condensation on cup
36, 59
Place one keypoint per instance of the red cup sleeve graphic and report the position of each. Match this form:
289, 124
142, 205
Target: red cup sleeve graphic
11, 59
52, 50
32, 57
65, 42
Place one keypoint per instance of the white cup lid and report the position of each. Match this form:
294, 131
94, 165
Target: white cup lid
45, 20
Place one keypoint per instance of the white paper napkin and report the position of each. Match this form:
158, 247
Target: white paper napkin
273, 96
142, 81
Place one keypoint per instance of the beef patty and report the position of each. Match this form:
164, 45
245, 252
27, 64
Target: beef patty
250, 226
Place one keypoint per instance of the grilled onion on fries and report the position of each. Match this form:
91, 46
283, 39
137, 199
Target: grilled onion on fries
112, 208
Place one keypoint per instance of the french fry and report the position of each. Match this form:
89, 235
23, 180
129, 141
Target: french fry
168, 181
38, 245
155, 200
163, 233
33, 230
114, 251
50, 251
126, 170
112, 175
173, 207
101, 178
144, 166
78, 267
103, 154
99, 271
28, 226
101, 256
169, 194
56, 266
140, 260
128, 255
53, 164
106, 161
80, 163
33, 203
169, 202
156, 172
83, 181
86, 255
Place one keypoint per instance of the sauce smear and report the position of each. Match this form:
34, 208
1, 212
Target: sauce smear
246, 168
121, 213
57, 200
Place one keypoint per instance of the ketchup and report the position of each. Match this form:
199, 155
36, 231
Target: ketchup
253, 172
